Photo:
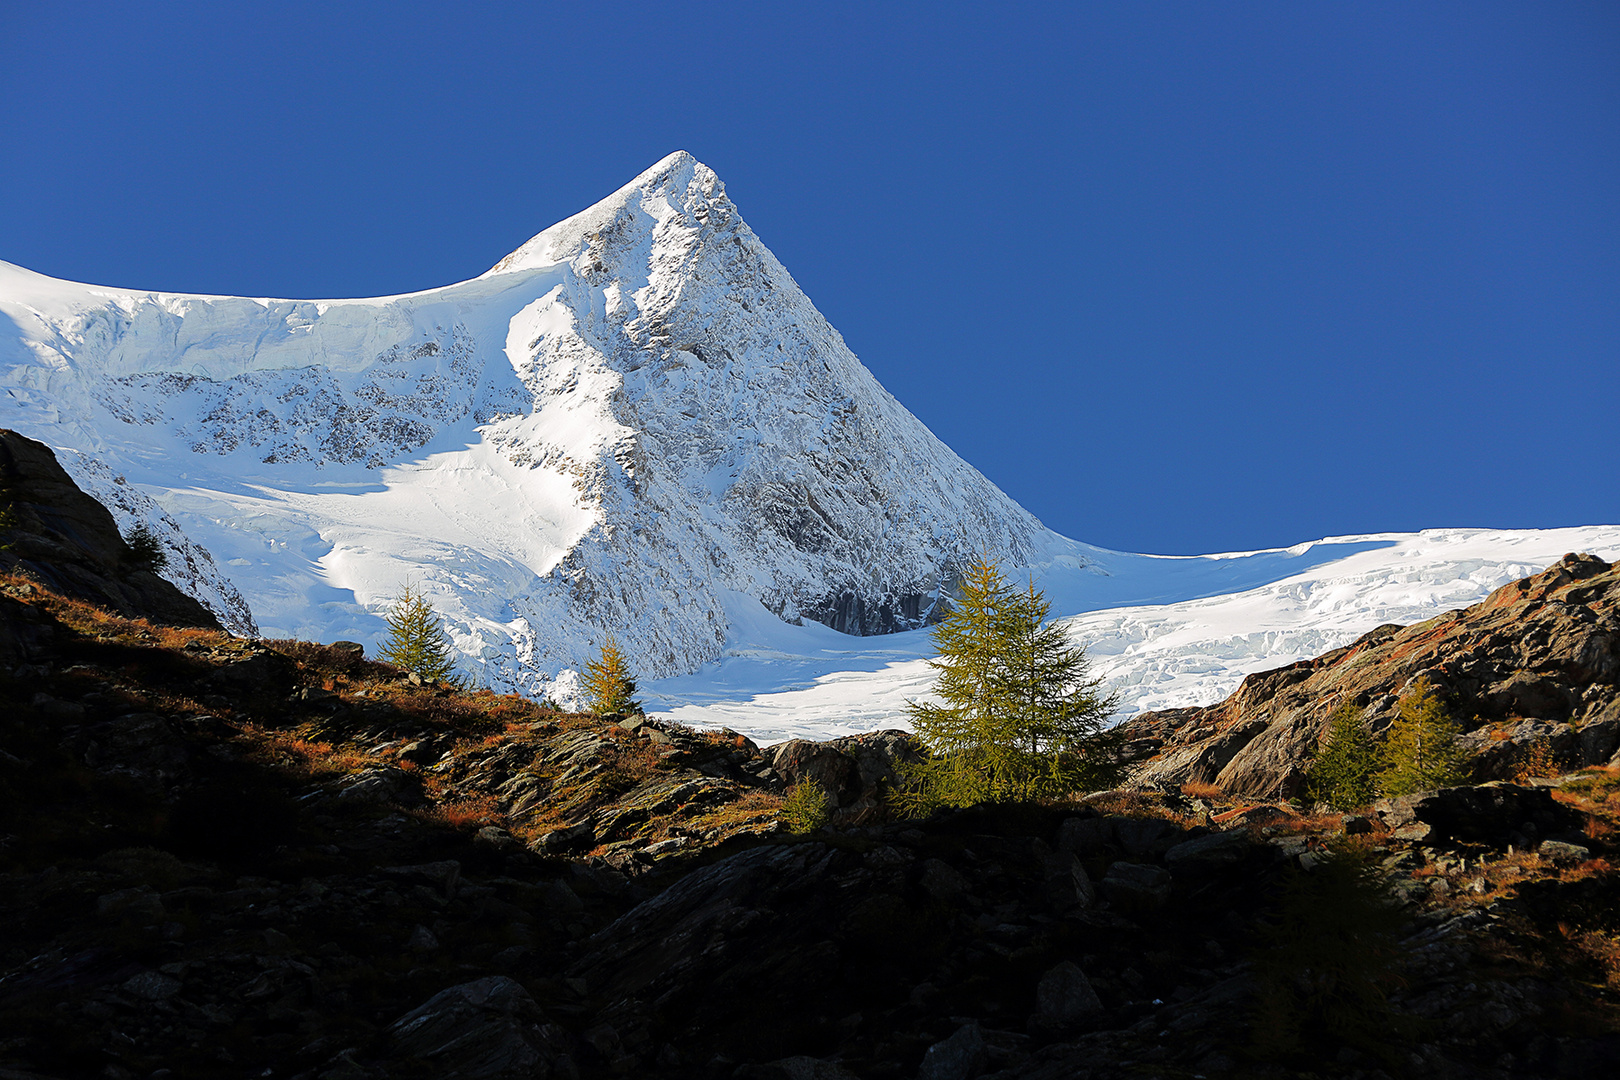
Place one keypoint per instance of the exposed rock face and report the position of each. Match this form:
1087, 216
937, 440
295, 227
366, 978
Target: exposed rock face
69, 541
1488, 814
333, 873
1538, 659
853, 770
487, 1029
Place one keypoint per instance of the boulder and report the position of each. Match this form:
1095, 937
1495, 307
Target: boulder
1600, 732
801, 761
488, 1029
1561, 852
1086, 835
795, 1068
960, 1057
1146, 836
1064, 999
853, 770
1484, 814
1069, 884
941, 881
1204, 854
1137, 886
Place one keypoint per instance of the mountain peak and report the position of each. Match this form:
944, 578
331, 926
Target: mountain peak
677, 179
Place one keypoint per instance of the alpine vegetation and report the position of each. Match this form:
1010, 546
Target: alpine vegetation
1421, 752
1017, 716
1344, 773
607, 684
416, 639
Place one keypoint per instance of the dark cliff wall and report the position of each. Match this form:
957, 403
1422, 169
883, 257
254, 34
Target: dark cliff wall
59, 535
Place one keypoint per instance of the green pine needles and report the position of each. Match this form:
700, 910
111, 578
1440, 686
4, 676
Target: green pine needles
607, 682
807, 807
416, 639
1018, 716
1421, 752
145, 549
1344, 773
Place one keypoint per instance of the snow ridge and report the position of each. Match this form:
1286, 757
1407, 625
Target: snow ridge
632, 416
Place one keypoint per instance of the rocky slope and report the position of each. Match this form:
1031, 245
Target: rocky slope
1536, 663
53, 531
228, 858
633, 423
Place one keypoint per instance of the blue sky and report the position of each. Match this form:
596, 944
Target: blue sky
1178, 277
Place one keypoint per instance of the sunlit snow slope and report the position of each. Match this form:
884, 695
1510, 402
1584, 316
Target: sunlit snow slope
634, 424
778, 682
632, 416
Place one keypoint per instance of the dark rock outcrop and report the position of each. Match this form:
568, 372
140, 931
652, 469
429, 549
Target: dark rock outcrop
854, 770
63, 538
1537, 663
487, 1029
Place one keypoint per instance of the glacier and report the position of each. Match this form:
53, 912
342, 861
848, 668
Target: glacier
635, 424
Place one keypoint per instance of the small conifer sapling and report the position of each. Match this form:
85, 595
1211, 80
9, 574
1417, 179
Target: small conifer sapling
1421, 752
607, 683
416, 639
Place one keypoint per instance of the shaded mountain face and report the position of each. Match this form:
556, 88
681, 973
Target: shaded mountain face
1537, 662
631, 424
56, 534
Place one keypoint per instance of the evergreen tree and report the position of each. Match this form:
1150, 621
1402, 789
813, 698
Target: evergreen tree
1055, 713
1421, 752
145, 549
1344, 772
1019, 718
416, 639
607, 682
1330, 957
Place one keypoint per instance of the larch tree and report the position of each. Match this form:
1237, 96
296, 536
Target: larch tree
1017, 716
608, 685
416, 638
1421, 752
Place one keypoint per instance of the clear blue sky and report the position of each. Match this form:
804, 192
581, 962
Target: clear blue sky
1179, 277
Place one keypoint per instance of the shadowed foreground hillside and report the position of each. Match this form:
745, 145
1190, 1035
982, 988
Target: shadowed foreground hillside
223, 857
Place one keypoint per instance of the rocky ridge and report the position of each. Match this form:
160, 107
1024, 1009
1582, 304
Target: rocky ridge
1534, 666
55, 532
231, 857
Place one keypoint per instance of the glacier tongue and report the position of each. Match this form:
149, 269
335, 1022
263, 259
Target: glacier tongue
634, 415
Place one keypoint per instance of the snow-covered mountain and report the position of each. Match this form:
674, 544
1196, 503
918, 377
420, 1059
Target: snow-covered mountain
1246, 612
634, 424
629, 421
